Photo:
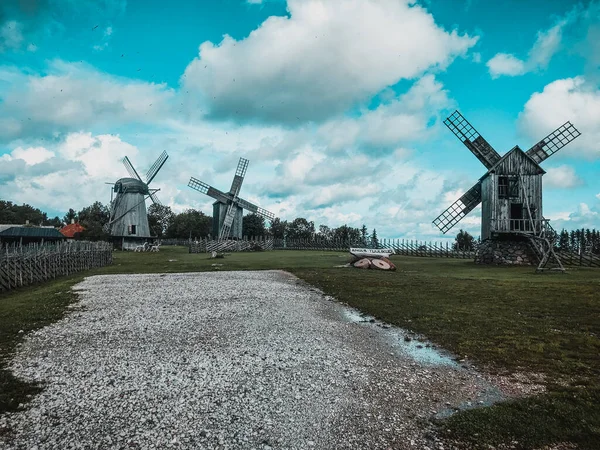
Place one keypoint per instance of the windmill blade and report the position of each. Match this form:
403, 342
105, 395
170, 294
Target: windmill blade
459, 209
155, 199
238, 179
255, 209
130, 168
204, 188
469, 136
553, 142
156, 167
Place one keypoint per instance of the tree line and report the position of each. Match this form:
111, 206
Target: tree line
193, 223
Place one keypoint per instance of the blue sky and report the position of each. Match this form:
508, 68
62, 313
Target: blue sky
338, 104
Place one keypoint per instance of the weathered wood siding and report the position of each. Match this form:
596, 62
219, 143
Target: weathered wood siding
496, 209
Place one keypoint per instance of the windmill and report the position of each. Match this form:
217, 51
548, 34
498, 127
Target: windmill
128, 216
510, 191
228, 208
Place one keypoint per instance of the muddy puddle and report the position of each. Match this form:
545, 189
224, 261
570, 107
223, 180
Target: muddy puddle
427, 354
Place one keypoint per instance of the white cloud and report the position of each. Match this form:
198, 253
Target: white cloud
67, 99
570, 99
11, 35
562, 177
546, 45
321, 60
584, 216
403, 119
505, 64
32, 155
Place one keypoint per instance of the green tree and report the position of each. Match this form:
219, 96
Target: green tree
364, 234
55, 222
253, 225
301, 228
563, 240
463, 241
278, 228
374, 239
71, 215
160, 218
190, 223
11, 213
325, 232
346, 233
92, 218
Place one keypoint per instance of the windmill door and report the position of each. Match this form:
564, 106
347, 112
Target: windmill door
516, 217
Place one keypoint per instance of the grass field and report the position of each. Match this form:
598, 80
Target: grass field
504, 319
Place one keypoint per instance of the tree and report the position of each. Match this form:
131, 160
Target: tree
160, 218
11, 213
325, 232
374, 240
301, 228
253, 225
190, 223
346, 233
364, 234
55, 222
92, 218
463, 241
278, 228
563, 240
71, 215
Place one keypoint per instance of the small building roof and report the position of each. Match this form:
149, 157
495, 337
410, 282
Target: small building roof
515, 155
70, 230
17, 231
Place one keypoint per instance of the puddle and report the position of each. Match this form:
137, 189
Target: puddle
421, 351
489, 396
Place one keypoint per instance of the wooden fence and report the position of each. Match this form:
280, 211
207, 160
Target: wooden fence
400, 246
26, 265
578, 259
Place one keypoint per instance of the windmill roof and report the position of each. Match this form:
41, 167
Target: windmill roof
504, 157
70, 230
31, 232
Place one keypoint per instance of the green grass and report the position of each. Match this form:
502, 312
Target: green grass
504, 319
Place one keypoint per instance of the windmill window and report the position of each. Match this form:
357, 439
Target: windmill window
132, 229
508, 187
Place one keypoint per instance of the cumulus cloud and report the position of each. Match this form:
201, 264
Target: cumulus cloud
408, 117
562, 177
546, 45
66, 98
505, 64
324, 58
584, 216
569, 99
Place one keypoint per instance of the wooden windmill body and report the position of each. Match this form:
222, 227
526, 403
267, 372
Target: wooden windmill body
513, 229
229, 207
128, 223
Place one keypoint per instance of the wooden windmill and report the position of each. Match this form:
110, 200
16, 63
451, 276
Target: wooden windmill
128, 216
510, 192
228, 208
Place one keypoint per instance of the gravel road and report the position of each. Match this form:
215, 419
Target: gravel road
228, 360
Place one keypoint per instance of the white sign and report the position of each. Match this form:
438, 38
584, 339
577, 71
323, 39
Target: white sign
372, 252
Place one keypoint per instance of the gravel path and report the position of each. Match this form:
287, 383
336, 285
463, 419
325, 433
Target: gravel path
228, 360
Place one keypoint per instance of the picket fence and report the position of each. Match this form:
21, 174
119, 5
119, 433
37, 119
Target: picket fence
34, 263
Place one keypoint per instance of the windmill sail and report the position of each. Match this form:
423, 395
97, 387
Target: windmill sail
130, 168
255, 209
160, 161
553, 142
469, 136
459, 209
204, 188
238, 179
